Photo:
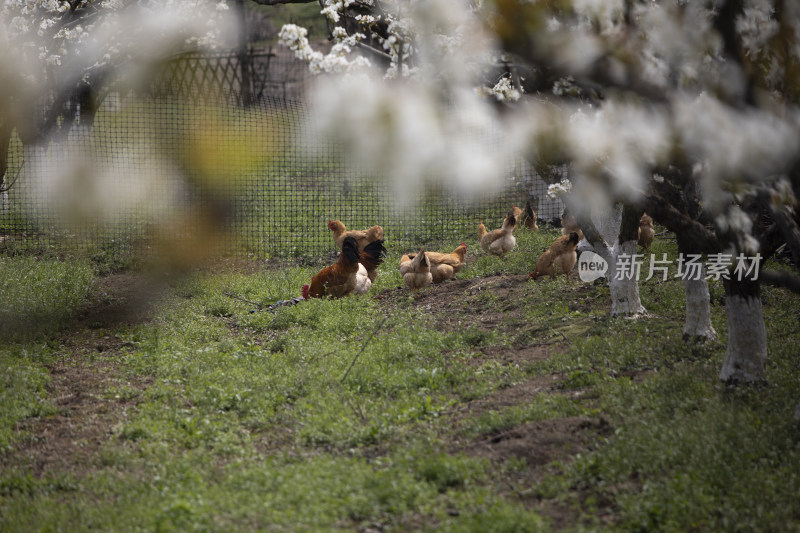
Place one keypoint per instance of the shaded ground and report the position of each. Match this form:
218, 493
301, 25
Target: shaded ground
83, 381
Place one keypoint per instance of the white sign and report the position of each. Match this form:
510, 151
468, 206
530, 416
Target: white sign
591, 266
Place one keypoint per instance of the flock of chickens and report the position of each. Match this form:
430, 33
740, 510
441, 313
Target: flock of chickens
362, 252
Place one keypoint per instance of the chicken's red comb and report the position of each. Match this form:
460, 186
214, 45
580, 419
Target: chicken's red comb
305, 292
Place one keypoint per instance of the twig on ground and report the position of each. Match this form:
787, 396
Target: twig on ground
229, 295
362, 349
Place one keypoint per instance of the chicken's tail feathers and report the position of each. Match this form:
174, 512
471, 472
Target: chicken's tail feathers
481, 230
376, 248
529, 210
350, 250
424, 259
373, 254
511, 220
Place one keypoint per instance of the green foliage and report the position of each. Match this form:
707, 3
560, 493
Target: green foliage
23, 380
39, 296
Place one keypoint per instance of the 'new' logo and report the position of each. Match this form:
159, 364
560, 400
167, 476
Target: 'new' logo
591, 266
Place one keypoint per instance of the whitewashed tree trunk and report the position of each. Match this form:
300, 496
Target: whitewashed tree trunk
747, 335
625, 299
698, 300
608, 224
698, 309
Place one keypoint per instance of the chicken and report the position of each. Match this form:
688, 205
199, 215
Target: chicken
526, 217
646, 232
499, 241
445, 266
570, 225
368, 262
561, 254
416, 271
339, 279
362, 237
529, 217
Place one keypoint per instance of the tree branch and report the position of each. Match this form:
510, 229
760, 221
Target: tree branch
589, 230
785, 223
780, 279
680, 223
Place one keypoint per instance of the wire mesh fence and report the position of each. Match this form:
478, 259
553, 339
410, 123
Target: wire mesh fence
147, 163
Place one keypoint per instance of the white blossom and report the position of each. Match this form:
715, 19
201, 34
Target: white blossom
554, 190
504, 91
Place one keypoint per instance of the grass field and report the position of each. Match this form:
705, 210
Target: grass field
491, 403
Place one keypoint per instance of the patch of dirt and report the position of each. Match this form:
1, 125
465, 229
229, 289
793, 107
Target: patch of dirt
85, 388
86, 416
541, 443
522, 356
494, 304
540, 446
119, 299
485, 303
503, 398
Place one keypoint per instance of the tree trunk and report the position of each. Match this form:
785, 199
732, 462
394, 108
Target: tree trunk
747, 335
624, 287
612, 234
698, 300
698, 310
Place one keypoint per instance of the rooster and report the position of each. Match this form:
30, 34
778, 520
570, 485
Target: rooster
368, 262
416, 271
362, 237
340, 278
445, 266
646, 232
570, 225
561, 254
499, 241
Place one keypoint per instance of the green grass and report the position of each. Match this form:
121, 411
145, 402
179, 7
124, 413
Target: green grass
39, 295
310, 418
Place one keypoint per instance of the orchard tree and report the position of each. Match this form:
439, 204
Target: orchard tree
685, 110
60, 55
